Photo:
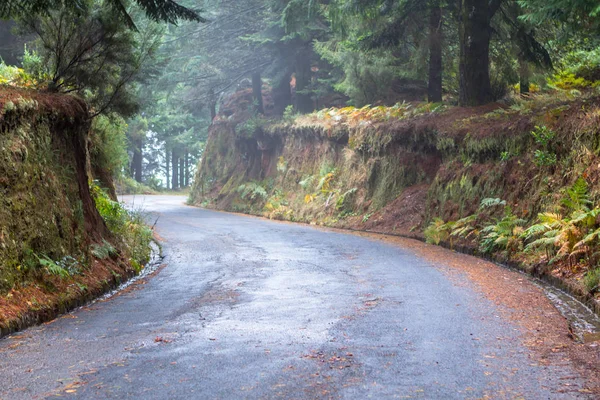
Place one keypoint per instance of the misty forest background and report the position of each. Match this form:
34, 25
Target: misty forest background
154, 87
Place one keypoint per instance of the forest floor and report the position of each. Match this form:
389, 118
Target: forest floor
251, 308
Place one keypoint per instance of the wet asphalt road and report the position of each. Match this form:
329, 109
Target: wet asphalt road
249, 308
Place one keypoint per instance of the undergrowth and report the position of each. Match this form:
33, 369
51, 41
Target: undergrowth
569, 236
127, 226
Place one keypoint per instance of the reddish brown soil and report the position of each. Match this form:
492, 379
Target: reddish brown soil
59, 104
403, 216
40, 302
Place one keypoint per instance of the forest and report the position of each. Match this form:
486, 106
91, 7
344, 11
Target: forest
155, 87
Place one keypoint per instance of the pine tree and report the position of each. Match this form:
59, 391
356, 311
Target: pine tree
157, 10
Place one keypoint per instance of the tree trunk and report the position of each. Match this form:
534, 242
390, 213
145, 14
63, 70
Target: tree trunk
523, 76
474, 73
94, 224
282, 94
434, 88
257, 92
167, 169
137, 159
175, 164
303, 73
182, 172
187, 168
213, 104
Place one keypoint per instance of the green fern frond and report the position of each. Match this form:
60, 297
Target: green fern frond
577, 196
491, 202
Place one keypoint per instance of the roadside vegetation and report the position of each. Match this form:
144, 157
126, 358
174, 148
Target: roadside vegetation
474, 125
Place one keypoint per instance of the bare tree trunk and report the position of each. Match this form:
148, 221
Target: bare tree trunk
474, 67
181, 172
282, 94
303, 73
434, 89
137, 159
167, 168
187, 168
175, 163
523, 76
213, 104
257, 92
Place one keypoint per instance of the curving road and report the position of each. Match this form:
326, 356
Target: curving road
249, 308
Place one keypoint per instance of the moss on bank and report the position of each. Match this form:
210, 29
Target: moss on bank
56, 248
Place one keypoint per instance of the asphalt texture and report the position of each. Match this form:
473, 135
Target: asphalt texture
250, 308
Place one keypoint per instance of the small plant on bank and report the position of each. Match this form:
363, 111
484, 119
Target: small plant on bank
543, 137
252, 191
289, 115
64, 268
591, 280
104, 251
543, 158
127, 225
437, 231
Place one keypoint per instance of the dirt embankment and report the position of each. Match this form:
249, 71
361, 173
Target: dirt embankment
48, 218
396, 176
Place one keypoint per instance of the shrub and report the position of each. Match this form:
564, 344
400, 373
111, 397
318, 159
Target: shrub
128, 226
437, 231
503, 234
591, 280
252, 191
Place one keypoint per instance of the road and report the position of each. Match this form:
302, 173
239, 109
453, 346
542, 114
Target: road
251, 308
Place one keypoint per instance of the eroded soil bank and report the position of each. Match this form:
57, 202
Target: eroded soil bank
402, 175
56, 251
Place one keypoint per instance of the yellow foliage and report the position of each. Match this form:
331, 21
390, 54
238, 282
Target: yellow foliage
309, 198
15, 76
568, 81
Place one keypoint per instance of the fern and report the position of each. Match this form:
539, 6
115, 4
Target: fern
589, 239
252, 190
587, 219
104, 250
505, 234
577, 196
53, 268
491, 202
464, 228
437, 231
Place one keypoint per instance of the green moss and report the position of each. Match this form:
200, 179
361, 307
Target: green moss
39, 207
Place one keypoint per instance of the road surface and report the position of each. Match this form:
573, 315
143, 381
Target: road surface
250, 308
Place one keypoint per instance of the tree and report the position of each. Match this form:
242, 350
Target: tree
89, 52
474, 65
396, 28
157, 10
434, 85
578, 13
527, 49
